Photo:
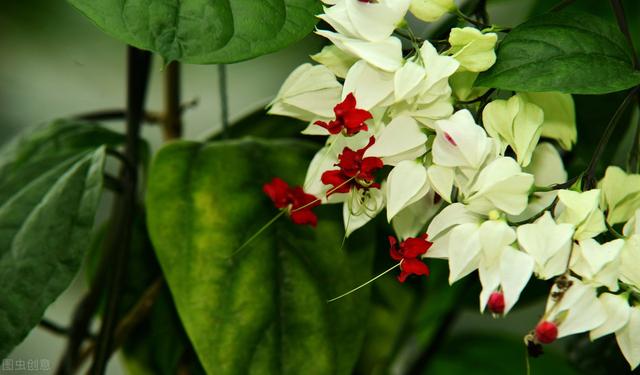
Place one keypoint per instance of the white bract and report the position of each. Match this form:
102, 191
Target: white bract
491, 197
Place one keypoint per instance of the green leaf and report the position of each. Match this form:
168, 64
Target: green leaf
571, 52
204, 31
44, 230
259, 124
492, 355
39, 151
265, 310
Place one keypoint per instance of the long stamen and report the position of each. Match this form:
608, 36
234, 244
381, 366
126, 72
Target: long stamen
330, 191
256, 234
365, 284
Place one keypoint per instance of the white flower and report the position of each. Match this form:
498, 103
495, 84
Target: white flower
412, 219
515, 123
624, 321
547, 169
402, 139
581, 210
310, 92
371, 86
628, 338
620, 194
559, 116
385, 54
360, 207
335, 60
406, 184
500, 185
460, 142
579, 310
548, 243
473, 49
501, 265
431, 10
629, 270
370, 21
596, 263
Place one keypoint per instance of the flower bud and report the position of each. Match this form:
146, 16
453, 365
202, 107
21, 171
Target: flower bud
546, 332
496, 303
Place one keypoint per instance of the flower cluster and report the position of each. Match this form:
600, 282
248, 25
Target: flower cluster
485, 184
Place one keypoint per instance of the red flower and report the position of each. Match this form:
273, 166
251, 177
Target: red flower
408, 253
349, 119
354, 170
546, 332
496, 303
298, 203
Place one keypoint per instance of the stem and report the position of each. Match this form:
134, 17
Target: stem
561, 5
224, 99
256, 234
618, 10
53, 327
172, 122
138, 313
632, 162
365, 284
137, 79
589, 180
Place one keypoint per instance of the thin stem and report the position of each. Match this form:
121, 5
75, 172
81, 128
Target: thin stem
137, 79
365, 284
329, 192
172, 119
138, 313
224, 99
53, 327
632, 163
121, 114
589, 181
561, 5
618, 10
256, 234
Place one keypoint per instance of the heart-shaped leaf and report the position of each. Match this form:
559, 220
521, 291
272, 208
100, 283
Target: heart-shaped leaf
264, 310
204, 31
571, 52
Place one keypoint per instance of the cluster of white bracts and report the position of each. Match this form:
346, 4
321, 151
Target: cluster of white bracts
482, 192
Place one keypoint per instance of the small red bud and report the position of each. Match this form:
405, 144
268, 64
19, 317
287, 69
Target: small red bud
546, 332
496, 303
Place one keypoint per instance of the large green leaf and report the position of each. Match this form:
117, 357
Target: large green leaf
264, 311
204, 31
44, 230
572, 52
41, 150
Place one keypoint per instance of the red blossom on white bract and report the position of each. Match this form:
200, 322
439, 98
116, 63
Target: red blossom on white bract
408, 253
298, 204
496, 182
349, 119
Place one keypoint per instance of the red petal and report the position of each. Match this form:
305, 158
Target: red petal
393, 249
347, 104
368, 167
333, 127
413, 247
336, 178
278, 191
356, 118
414, 267
303, 217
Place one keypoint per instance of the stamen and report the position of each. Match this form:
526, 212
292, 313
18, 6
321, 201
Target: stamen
253, 237
365, 284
